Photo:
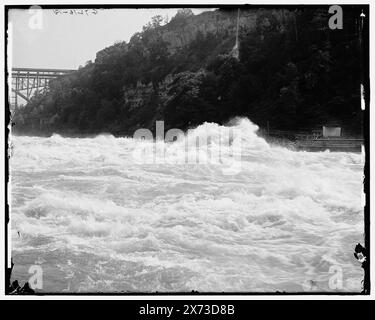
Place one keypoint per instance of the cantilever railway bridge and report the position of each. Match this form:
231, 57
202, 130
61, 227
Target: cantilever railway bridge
27, 82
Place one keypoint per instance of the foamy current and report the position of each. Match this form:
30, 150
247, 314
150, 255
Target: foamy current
97, 220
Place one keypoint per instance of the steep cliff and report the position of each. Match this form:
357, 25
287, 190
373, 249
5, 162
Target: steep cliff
221, 23
179, 33
290, 71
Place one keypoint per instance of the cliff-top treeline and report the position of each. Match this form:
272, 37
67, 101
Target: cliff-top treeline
293, 73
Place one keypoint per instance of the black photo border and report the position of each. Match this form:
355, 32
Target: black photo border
366, 133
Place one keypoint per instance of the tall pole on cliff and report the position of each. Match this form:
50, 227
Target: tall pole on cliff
238, 24
236, 51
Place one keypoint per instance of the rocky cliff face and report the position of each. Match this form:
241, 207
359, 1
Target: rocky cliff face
219, 22
178, 34
292, 71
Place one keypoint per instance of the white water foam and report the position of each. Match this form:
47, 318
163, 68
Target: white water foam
96, 221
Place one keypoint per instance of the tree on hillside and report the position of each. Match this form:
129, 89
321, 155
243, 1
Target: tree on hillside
182, 14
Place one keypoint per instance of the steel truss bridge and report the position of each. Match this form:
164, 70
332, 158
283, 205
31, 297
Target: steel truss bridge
27, 82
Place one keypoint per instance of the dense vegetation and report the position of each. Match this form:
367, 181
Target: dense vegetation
292, 73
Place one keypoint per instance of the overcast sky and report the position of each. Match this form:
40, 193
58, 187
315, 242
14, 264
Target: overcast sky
66, 41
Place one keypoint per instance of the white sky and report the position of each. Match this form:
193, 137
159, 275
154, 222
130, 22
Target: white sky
67, 41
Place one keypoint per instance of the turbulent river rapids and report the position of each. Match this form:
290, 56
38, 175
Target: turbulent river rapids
96, 219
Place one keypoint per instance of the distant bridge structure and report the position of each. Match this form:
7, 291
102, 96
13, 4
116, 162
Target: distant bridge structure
27, 82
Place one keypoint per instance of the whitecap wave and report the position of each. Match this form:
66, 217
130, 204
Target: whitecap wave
106, 223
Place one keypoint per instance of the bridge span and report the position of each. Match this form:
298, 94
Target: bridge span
27, 82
